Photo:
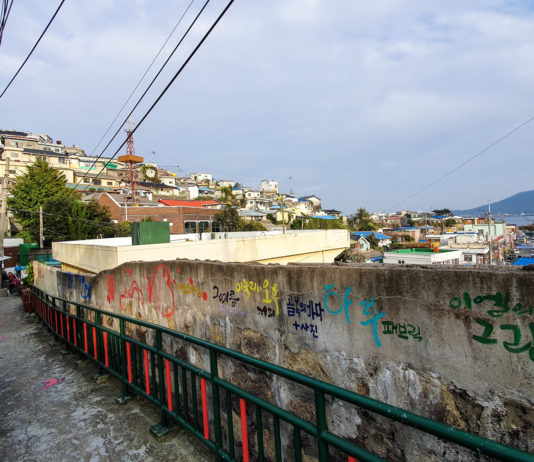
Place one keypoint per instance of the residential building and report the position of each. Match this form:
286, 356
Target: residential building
225, 183
314, 200
269, 186
383, 240
181, 219
422, 256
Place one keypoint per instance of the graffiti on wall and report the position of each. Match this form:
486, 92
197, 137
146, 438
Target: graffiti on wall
111, 288
189, 287
504, 307
499, 301
401, 330
131, 292
305, 310
343, 304
78, 282
227, 297
268, 290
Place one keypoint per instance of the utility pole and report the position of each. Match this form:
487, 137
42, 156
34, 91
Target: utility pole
489, 234
41, 226
3, 211
282, 208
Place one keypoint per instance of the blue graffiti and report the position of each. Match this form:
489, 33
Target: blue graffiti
342, 305
85, 291
367, 305
85, 287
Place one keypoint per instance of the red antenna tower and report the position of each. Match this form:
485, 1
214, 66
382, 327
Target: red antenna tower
130, 158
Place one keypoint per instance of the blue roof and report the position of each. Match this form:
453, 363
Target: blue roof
523, 261
366, 234
405, 228
524, 247
377, 259
440, 217
325, 217
203, 188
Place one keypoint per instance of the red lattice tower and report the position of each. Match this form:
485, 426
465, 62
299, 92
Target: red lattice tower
130, 158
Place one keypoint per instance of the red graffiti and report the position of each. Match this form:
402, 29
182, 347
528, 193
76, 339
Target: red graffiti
129, 294
111, 287
157, 287
49, 383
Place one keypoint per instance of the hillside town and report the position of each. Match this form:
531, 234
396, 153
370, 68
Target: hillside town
135, 191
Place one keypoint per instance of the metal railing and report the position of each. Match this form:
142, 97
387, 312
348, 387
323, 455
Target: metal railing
265, 430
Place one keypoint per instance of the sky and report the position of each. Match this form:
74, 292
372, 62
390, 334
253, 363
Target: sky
364, 104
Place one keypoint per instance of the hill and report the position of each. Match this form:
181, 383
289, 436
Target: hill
522, 202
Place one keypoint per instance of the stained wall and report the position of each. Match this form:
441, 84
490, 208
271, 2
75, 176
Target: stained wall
454, 344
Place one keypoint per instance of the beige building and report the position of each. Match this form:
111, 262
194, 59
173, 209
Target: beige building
310, 246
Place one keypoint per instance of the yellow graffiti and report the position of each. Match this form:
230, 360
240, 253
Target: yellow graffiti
250, 287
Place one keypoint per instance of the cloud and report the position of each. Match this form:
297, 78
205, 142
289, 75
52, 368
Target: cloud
355, 96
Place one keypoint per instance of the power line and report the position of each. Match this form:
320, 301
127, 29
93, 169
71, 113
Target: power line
143, 76
479, 153
144, 93
34, 47
68, 217
206, 35
6, 9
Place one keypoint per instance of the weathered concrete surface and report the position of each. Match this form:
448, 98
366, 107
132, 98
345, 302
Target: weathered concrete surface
453, 344
78, 419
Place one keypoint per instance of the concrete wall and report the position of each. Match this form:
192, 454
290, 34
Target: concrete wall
454, 344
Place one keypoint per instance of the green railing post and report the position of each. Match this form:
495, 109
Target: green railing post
124, 368
216, 399
320, 416
161, 377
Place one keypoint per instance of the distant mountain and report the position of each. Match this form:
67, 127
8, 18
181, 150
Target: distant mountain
522, 202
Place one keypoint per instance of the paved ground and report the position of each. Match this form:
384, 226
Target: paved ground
72, 417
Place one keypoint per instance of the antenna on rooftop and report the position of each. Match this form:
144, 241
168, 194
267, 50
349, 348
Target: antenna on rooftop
130, 158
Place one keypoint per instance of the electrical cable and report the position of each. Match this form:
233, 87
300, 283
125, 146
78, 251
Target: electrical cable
487, 148
145, 92
6, 9
34, 47
143, 76
68, 217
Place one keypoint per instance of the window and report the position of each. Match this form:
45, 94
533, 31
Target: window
97, 182
468, 257
62, 160
216, 227
203, 226
190, 227
401, 262
86, 180
109, 183
13, 155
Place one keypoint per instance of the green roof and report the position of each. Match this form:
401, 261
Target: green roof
420, 250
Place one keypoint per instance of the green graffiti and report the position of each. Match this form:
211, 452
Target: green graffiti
499, 301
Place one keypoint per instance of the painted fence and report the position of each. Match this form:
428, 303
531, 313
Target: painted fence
453, 345
175, 385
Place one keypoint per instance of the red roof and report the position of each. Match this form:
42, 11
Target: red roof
172, 202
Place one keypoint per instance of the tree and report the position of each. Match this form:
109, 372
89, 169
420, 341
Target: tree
361, 221
252, 226
65, 217
40, 183
228, 219
442, 212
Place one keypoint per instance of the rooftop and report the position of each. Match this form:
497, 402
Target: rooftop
420, 250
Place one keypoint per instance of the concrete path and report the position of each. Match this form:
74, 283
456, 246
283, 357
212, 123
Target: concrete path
51, 408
